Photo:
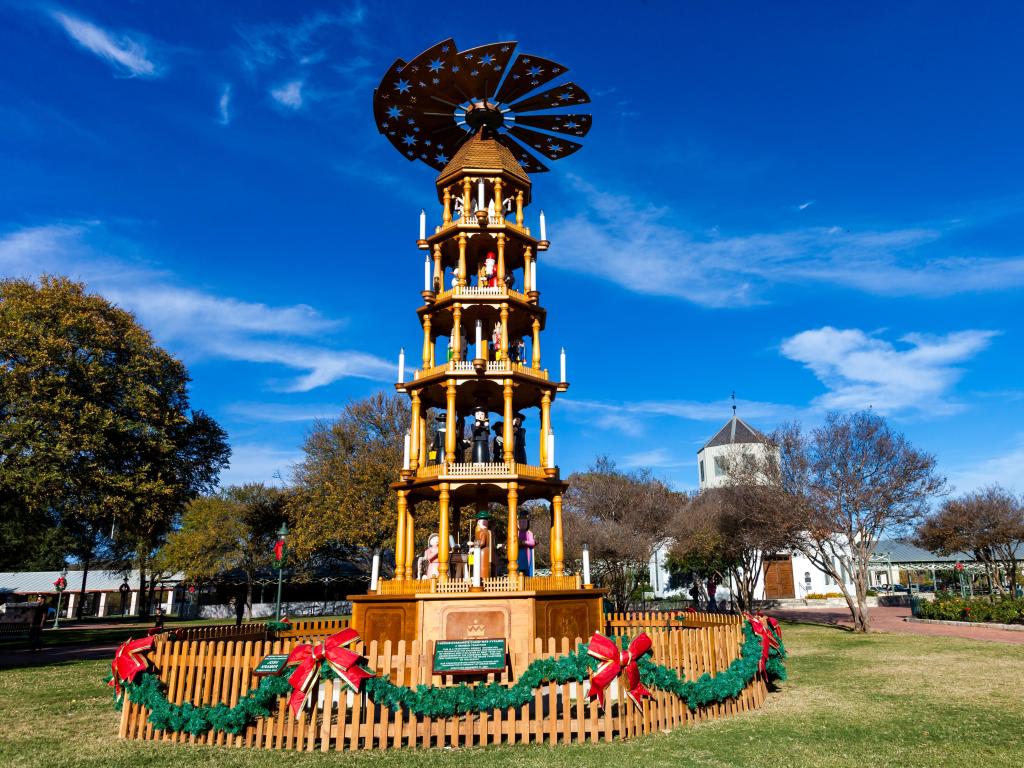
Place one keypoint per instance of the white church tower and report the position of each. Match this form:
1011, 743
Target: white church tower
736, 435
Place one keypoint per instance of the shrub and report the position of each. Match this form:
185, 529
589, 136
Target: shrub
823, 595
1001, 610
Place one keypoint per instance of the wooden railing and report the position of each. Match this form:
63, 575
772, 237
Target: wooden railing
471, 470
543, 583
493, 366
217, 672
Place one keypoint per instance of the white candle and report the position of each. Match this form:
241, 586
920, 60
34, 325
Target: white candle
543, 227
407, 449
586, 564
551, 449
563, 364
480, 195
401, 365
479, 338
375, 571
423, 224
533, 275
490, 208
426, 274
476, 566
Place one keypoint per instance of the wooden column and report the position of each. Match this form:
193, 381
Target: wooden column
427, 342
519, 208
527, 270
508, 435
462, 261
557, 545
410, 542
423, 436
414, 442
457, 349
503, 348
499, 208
400, 538
467, 197
545, 427
447, 205
512, 544
442, 533
536, 344
449, 436
438, 269
501, 258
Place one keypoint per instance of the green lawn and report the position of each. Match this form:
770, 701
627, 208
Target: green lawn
94, 633
865, 701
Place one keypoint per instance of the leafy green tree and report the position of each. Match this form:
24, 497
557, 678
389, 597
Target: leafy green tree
232, 532
343, 504
96, 432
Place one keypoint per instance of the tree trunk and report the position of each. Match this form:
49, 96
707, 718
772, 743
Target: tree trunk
248, 597
143, 601
81, 591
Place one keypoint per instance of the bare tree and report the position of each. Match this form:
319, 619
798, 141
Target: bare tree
733, 528
988, 523
853, 479
623, 517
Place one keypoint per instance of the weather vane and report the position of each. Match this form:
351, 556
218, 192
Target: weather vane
427, 108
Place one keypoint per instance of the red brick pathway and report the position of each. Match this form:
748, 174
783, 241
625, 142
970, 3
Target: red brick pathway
891, 620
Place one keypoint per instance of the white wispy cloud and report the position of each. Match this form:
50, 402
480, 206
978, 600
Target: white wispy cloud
805, 205
232, 329
630, 418
259, 463
643, 248
224, 105
284, 412
1005, 469
127, 53
289, 94
861, 370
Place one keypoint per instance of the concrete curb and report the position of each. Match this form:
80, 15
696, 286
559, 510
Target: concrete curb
970, 624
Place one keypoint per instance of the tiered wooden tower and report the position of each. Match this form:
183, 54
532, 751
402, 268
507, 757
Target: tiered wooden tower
481, 363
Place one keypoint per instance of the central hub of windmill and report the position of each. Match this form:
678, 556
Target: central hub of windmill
484, 114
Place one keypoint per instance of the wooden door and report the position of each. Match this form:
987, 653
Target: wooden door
778, 577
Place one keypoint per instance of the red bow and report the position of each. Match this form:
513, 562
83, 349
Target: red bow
128, 662
768, 640
613, 661
279, 551
344, 662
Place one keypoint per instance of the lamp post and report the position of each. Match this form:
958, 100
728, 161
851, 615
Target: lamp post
279, 555
60, 585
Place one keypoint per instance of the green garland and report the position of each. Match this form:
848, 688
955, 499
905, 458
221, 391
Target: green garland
278, 626
431, 701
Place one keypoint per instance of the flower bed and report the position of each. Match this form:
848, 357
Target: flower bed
999, 610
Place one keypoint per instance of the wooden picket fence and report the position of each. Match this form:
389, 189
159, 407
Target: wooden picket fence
209, 672
247, 631
645, 621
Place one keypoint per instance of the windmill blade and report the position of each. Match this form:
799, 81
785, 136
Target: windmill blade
566, 95
383, 94
486, 64
574, 125
529, 163
551, 147
526, 73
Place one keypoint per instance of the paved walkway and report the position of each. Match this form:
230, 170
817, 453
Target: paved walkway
891, 620
58, 655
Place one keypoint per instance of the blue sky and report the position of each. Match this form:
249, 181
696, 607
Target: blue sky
817, 205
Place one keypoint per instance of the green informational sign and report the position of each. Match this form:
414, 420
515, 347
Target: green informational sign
465, 657
271, 664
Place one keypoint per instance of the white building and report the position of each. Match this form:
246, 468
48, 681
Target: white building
786, 575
